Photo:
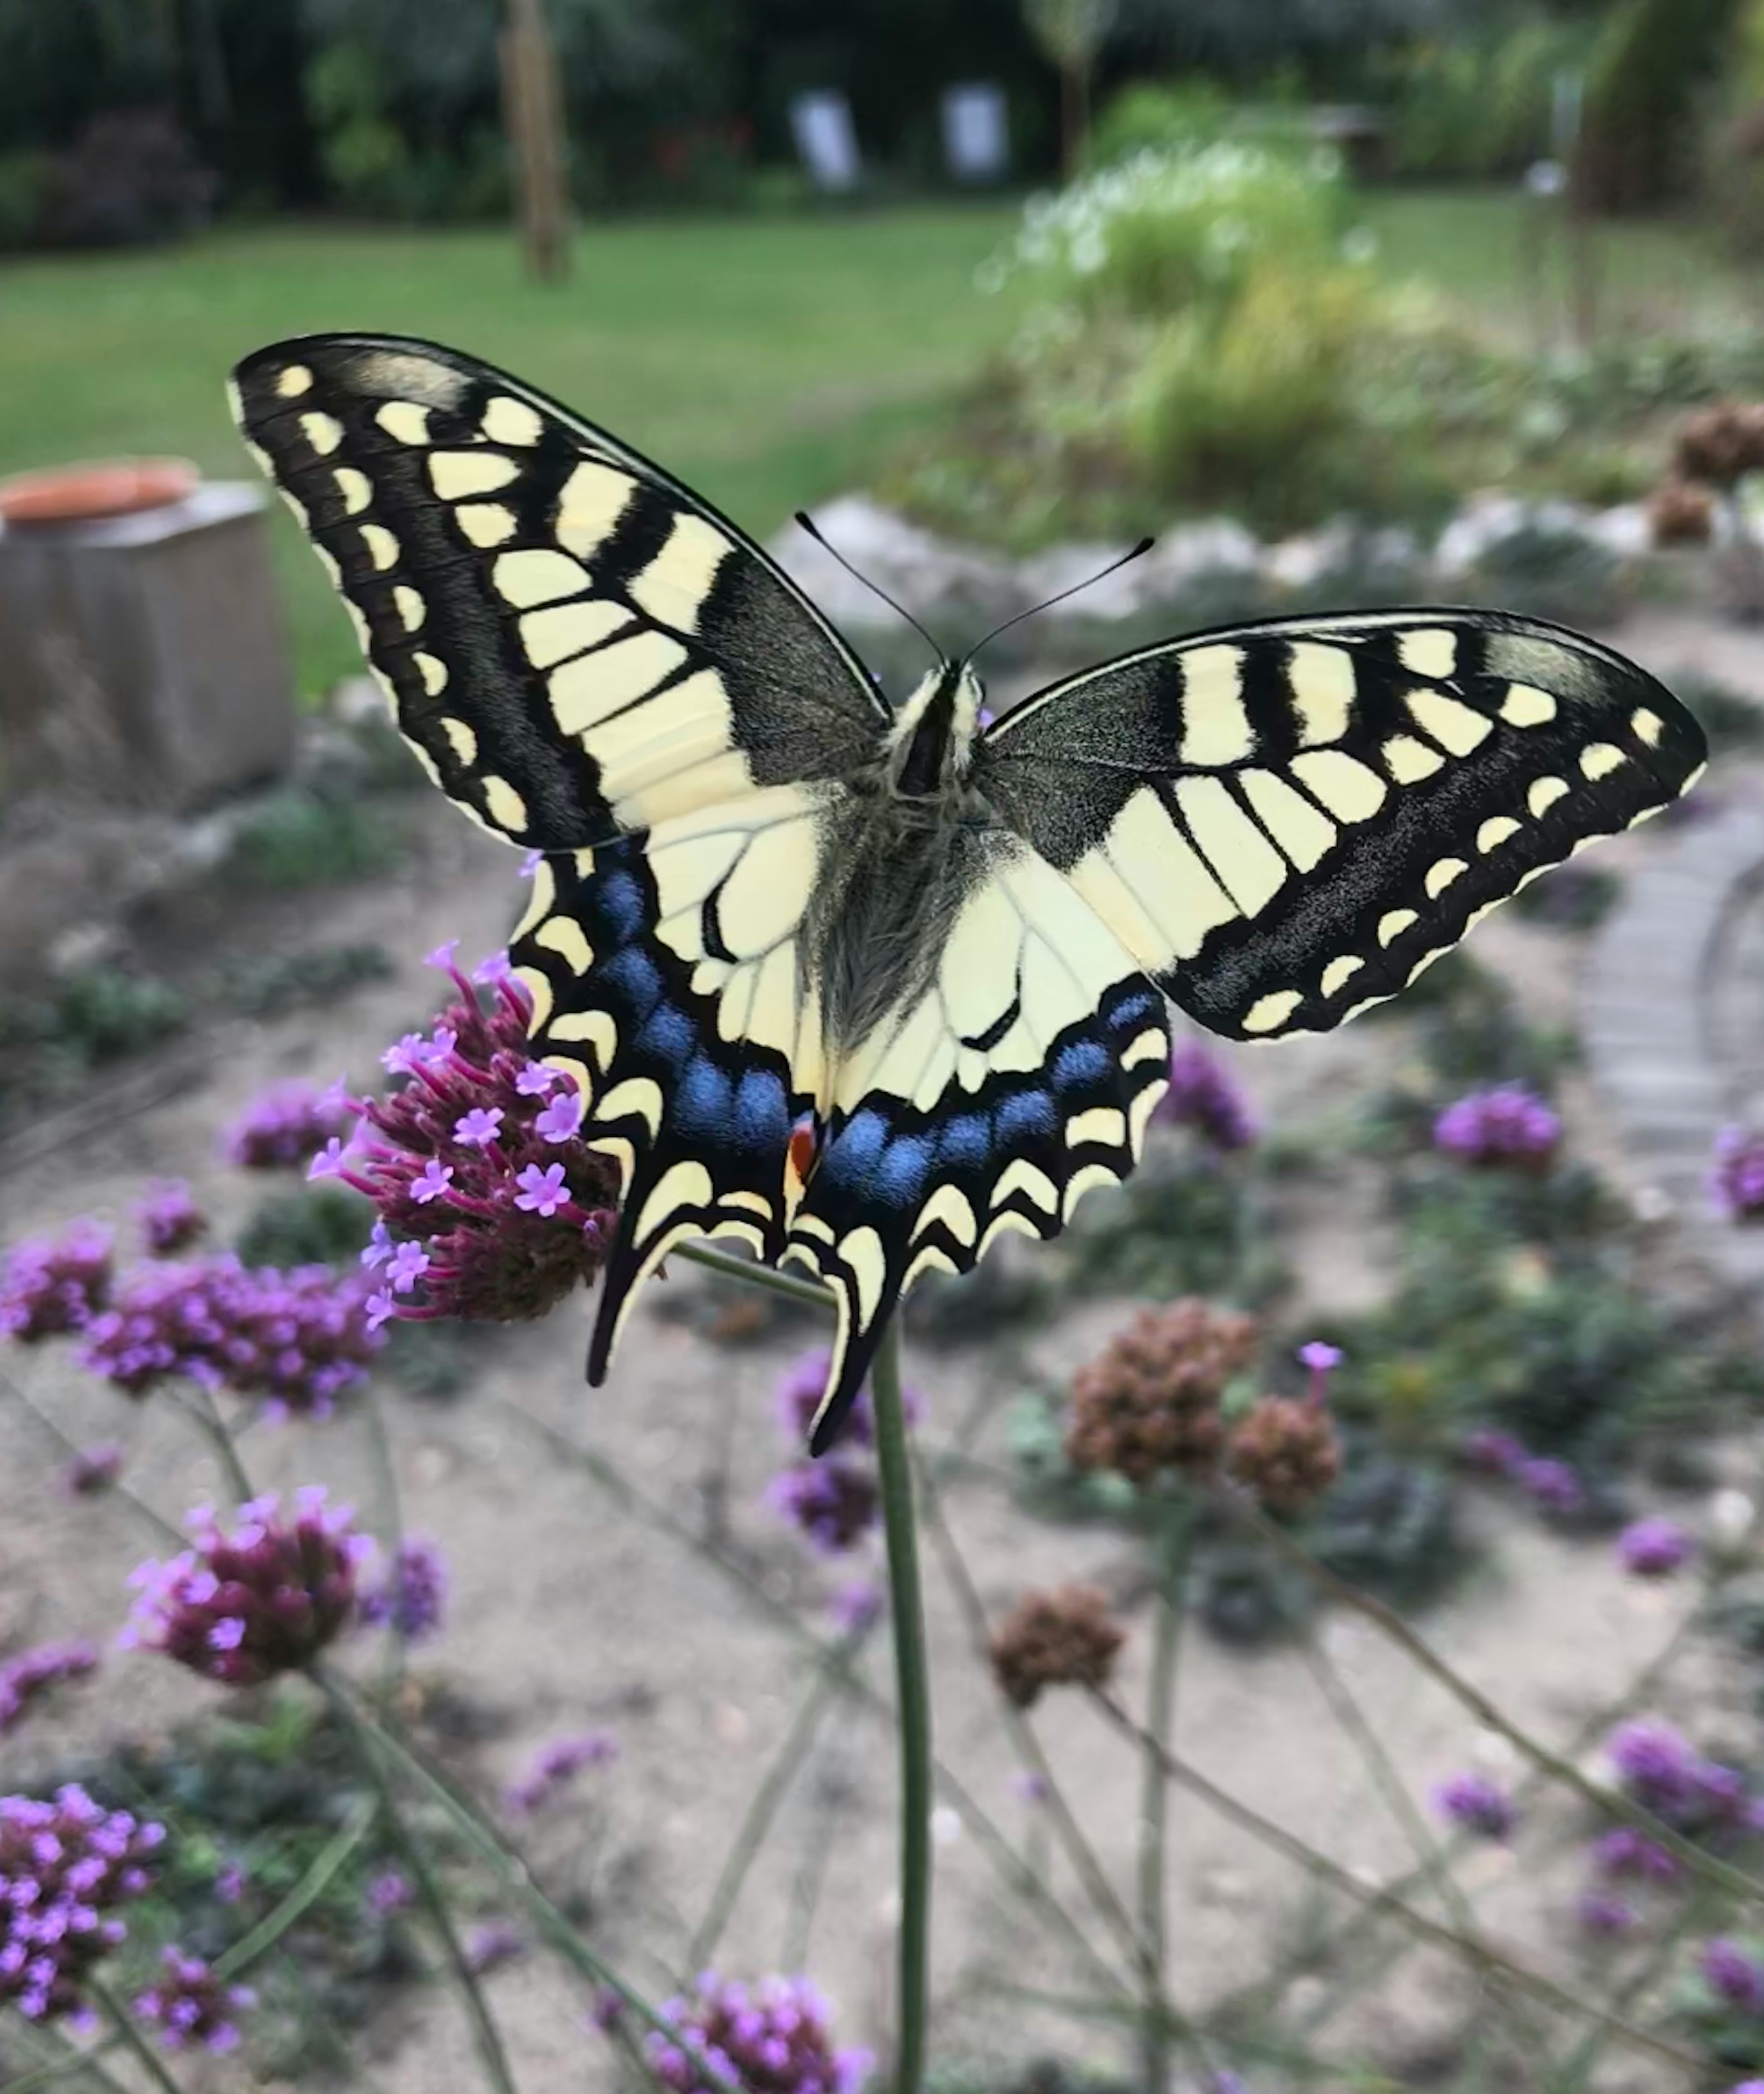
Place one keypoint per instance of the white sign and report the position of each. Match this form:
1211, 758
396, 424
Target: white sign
821, 123
976, 146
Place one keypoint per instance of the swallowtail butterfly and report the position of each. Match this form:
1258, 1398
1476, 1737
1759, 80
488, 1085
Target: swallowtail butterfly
864, 987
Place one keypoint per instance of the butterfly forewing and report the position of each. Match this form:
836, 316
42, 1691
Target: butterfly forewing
575, 645
1284, 823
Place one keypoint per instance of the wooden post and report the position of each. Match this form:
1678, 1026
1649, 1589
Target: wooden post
533, 110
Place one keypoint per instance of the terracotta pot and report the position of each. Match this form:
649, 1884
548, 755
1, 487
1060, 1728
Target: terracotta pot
80, 493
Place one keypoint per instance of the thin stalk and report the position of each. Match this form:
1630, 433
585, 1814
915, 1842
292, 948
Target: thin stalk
392, 1515
130, 2037
311, 1886
510, 1869
484, 2029
757, 1820
64, 2067
1160, 1713
1488, 1713
755, 1276
1578, 2068
70, 1446
1482, 1957
913, 1689
199, 1406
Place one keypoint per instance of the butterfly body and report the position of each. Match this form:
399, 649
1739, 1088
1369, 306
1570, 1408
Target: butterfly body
865, 988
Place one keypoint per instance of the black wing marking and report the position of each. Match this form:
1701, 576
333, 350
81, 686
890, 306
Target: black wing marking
1284, 823
574, 645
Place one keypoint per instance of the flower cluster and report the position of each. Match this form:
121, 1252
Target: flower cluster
772, 2038
1681, 513
1151, 1401
1509, 1125
296, 1339
1063, 1638
557, 1765
1477, 1805
288, 1123
91, 1470
169, 1219
1721, 444
262, 1598
1284, 1449
411, 1598
1653, 1548
834, 1500
1658, 1767
65, 1866
1625, 1854
492, 1207
33, 1672
1552, 1486
189, 2006
52, 1284
1734, 1974
1736, 1181
1204, 1096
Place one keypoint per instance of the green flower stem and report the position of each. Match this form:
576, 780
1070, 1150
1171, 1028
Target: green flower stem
999, 1850
1578, 2068
72, 2061
131, 2038
392, 1514
263, 1937
912, 1677
70, 1447
200, 1406
510, 1870
755, 1276
1177, 1527
757, 1820
1486, 1961
465, 1981
1487, 1713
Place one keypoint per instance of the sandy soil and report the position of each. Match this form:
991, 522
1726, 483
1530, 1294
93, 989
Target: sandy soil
567, 1613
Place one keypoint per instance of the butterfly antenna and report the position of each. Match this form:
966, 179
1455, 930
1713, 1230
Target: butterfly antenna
814, 530
1145, 545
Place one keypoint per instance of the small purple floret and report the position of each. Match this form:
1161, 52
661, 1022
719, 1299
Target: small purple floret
32, 1673
1734, 1973
773, 2037
1477, 1805
52, 1285
1203, 1095
411, 1597
1736, 1180
191, 2007
169, 1219
1509, 1125
286, 1124
65, 1867
557, 1765
1653, 1548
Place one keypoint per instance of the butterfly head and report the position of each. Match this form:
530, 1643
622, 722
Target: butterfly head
933, 741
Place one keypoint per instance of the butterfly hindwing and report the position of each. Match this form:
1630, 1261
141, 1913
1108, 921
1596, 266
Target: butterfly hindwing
574, 645
1284, 823
1019, 1075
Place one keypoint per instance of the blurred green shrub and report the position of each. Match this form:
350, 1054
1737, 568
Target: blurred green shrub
96, 1014
313, 1225
1162, 115
301, 838
264, 986
26, 181
1471, 107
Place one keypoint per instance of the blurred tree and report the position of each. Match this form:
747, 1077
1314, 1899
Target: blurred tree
1069, 34
1635, 148
1253, 39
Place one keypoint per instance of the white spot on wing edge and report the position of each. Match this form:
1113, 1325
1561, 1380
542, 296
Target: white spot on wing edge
1270, 1011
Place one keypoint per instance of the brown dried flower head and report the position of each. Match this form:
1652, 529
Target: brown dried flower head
1680, 513
1722, 443
1286, 1451
1151, 1401
1063, 1638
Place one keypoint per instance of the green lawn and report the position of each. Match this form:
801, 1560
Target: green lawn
769, 362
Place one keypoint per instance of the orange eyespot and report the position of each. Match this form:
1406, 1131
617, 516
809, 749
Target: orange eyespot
805, 1146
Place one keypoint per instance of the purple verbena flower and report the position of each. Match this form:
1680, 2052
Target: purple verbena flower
1604, 1913
296, 1339
833, 1501
1552, 1486
231, 1882
1496, 1453
1736, 1179
856, 1606
286, 1124
169, 1218
1203, 1095
556, 1765
1477, 1805
191, 2007
93, 1469
410, 1598
1625, 1852
1734, 1973
388, 1893
262, 1598
32, 1673
65, 1867
481, 1169
1509, 1125
804, 1385
52, 1284
1659, 1769
770, 2038
1653, 1548
494, 1943
1028, 1786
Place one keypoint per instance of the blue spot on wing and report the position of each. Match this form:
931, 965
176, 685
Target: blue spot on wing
1079, 1062
1027, 1118
905, 1167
